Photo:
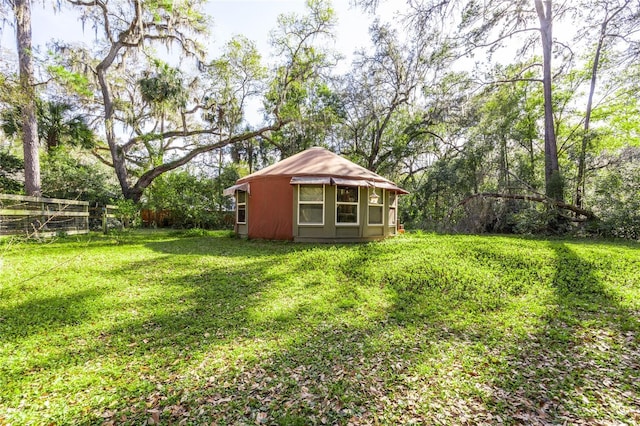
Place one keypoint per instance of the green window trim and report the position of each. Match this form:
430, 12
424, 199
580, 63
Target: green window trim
375, 210
347, 205
310, 205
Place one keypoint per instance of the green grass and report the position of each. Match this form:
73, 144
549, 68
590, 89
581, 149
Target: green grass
425, 329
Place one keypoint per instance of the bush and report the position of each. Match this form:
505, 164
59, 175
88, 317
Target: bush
66, 177
617, 198
10, 165
193, 201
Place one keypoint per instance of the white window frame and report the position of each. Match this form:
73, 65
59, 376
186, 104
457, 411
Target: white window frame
311, 202
348, 203
380, 205
393, 206
238, 204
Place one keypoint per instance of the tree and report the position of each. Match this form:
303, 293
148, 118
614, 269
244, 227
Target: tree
64, 175
194, 201
22, 12
616, 20
57, 125
135, 28
554, 187
308, 103
379, 100
486, 26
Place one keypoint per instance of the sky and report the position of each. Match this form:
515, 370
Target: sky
256, 18
251, 18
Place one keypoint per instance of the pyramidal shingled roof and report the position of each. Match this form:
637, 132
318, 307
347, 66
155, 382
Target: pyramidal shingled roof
320, 162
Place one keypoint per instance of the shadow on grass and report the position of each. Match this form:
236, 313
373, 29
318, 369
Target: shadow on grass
220, 332
46, 314
582, 365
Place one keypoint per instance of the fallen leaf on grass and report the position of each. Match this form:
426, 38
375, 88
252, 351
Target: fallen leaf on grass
107, 414
155, 417
261, 418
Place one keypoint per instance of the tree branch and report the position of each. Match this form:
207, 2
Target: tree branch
146, 179
588, 214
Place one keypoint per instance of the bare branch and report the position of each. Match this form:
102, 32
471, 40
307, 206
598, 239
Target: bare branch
588, 214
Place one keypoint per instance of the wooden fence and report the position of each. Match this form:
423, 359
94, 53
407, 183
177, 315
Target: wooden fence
104, 217
42, 217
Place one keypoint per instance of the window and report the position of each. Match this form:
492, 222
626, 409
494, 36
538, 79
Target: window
241, 207
347, 205
393, 204
376, 201
311, 204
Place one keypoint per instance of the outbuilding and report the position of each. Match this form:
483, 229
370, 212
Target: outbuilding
316, 196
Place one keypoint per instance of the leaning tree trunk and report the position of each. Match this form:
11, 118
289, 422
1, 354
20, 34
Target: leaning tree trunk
22, 11
580, 179
553, 181
117, 154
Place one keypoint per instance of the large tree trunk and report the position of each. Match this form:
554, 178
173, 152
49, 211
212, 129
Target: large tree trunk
554, 187
117, 155
22, 11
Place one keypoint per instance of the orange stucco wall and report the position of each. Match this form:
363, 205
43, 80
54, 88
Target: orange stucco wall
270, 208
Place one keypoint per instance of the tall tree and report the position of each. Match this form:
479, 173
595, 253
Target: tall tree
379, 98
22, 12
615, 22
489, 25
554, 187
486, 26
307, 102
134, 28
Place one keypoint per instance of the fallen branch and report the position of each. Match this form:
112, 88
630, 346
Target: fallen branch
587, 214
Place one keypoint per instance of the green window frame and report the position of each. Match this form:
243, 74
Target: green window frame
393, 209
347, 204
375, 216
311, 205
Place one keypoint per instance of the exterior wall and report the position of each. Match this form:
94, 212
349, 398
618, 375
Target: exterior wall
269, 209
242, 230
272, 213
334, 232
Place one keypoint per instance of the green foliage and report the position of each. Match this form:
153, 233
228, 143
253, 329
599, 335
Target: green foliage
555, 187
237, 74
298, 84
9, 166
74, 81
64, 176
617, 197
163, 87
419, 329
441, 187
128, 213
194, 202
57, 125
10, 121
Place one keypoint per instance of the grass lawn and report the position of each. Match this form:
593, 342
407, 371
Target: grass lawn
170, 328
